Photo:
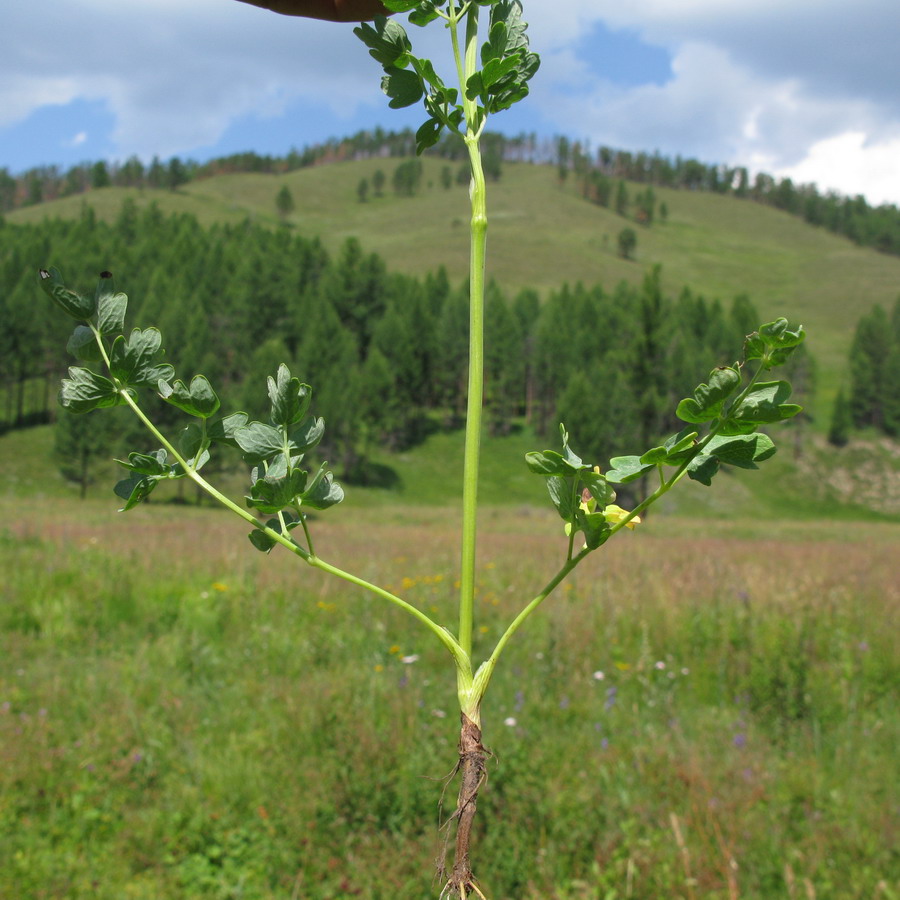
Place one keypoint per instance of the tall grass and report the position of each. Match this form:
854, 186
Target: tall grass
182, 717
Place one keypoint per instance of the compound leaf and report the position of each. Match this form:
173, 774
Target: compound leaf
131, 359
199, 399
289, 398
709, 399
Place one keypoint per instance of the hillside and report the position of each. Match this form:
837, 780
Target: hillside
542, 235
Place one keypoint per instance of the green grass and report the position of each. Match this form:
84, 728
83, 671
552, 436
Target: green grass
183, 717
542, 235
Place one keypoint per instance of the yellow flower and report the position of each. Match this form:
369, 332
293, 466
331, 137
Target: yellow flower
218, 586
394, 649
615, 514
379, 668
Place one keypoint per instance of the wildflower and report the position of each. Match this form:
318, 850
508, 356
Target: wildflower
218, 586
615, 514
409, 660
510, 722
611, 697
394, 649
439, 714
599, 676
659, 664
740, 739
483, 629
408, 582
379, 668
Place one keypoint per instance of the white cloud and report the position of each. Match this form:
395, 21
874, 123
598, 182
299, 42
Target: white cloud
847, 163
77, 140
805, 87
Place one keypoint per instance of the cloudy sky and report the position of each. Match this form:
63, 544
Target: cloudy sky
805, 88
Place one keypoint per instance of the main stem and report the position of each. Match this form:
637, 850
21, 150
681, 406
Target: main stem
476, 349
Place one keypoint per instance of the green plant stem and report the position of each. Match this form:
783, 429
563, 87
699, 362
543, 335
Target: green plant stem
445, 637
486, 669
476, 341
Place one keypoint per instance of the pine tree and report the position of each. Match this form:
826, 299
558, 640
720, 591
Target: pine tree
841, 421
284, 202
83, 443
627, 241
868, 353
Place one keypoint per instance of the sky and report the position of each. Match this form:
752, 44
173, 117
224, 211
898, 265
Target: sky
806, 89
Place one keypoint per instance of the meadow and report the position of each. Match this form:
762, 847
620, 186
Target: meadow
708, 710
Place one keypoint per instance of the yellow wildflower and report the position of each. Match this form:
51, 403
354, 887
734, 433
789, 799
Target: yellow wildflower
615, 514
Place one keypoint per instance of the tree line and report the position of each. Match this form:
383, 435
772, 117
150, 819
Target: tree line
871, 397
385, 353
853, 217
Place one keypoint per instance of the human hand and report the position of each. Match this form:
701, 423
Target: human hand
330, 10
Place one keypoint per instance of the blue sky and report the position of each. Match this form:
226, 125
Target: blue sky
805, 88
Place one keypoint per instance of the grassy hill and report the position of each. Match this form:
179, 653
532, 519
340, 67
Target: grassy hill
542, 235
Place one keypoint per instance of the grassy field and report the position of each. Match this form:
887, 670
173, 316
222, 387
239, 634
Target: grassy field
708, 711
542, 235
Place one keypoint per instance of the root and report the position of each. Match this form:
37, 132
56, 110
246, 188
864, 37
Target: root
472, 756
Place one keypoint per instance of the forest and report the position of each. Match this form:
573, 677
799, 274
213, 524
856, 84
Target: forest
389, 349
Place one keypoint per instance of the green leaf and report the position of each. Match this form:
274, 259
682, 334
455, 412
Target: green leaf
560, 490
426, 13
428, 134
324, 491
224, 430
190, 442
743, 450
702, 468
623, 469
266, 542
402, 86
259, 441
289, 398
599, 488
135, 489
549, 462
708, 399
306, 435
147, 463
70, 302
654, 457
111, 306
131, 359
764, 405
85, 390
773, 343
83, 345
595, 528
386, 40
277, 488
197, 400
261, 540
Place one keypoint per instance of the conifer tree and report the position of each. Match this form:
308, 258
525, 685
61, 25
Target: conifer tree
841, 421
284, 202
